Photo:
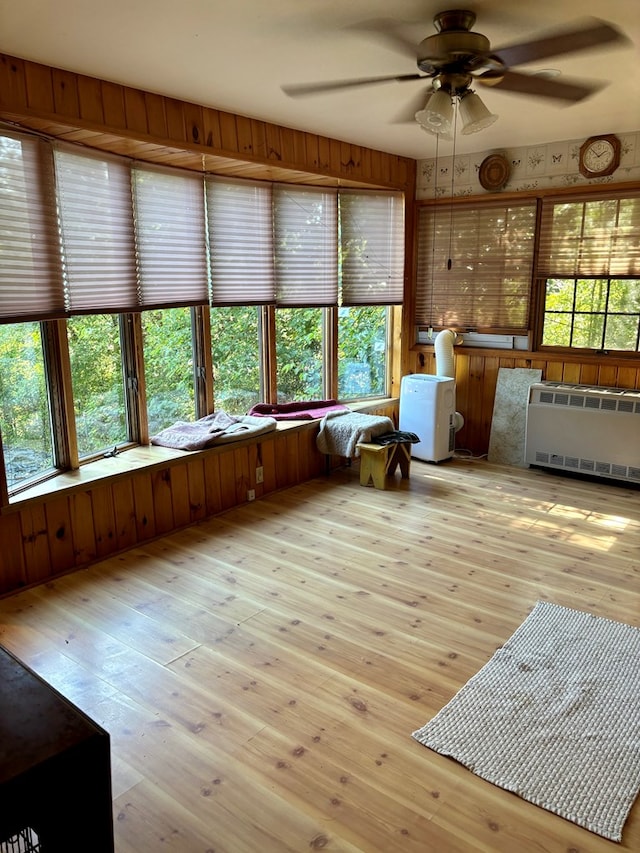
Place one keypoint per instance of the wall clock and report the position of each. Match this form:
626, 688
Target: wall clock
599, 156
494, 172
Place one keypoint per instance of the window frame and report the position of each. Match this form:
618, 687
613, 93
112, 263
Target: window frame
576, 266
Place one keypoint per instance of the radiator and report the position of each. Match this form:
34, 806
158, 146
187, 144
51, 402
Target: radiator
584, 428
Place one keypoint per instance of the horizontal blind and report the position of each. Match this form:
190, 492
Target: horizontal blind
30, 274
96, 223
372, 247
475, 265
240, 231
306, 245
170, 237
590, 236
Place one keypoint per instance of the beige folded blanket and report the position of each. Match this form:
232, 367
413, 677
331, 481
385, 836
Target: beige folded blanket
341, 432
218, 428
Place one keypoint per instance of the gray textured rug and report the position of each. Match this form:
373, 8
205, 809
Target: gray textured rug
554, 716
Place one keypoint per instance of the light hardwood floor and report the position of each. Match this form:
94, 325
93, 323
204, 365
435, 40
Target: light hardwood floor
260, 674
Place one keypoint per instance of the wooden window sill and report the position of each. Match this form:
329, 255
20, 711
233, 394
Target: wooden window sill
150, 457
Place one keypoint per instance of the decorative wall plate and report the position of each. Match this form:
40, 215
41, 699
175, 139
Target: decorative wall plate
494, 172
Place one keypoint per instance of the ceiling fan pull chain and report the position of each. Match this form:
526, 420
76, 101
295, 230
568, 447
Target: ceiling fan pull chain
433, 237
453, 173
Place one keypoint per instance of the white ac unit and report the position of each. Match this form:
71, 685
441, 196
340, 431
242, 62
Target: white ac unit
428, 409
584, 428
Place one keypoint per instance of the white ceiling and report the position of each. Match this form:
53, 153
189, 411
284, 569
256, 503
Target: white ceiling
236, 54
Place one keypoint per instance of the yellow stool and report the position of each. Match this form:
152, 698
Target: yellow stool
377, 461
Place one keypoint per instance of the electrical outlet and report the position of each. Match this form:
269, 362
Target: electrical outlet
251, 494
260, 474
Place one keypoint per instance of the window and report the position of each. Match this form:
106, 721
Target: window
168, 367
236, 349
592, 313
99, 398
475, 266
299, 354
362, 351
25, 415
589, 268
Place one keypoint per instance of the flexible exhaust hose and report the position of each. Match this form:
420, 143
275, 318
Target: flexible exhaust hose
444, 353
444, 364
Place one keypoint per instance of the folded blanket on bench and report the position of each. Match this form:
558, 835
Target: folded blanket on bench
300, 411
340, 432
218, 428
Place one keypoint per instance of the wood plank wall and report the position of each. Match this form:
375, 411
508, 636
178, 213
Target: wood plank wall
142, 124
477, 375
71, 528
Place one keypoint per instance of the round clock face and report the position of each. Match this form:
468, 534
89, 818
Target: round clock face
598, 156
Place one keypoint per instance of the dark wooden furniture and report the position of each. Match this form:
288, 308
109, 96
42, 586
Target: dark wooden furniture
55, 766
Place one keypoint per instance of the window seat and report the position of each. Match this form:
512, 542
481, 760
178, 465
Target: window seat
152, 457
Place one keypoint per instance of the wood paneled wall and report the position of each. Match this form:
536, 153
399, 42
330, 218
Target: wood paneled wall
70, 528
166, 130
477, 375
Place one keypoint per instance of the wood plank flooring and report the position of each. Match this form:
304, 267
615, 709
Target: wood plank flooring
260, 674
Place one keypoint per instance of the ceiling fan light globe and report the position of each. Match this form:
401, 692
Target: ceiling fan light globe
437, 115
474, 115
448, 136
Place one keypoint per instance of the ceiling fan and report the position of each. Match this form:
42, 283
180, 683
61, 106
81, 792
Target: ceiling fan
456, 57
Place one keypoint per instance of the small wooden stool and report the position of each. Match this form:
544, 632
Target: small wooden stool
377, 461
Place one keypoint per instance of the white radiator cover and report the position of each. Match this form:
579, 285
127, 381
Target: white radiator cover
584, 428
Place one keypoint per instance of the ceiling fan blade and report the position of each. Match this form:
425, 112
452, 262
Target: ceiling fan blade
408, 113
302, 89
567, 41
546, 87
389, 32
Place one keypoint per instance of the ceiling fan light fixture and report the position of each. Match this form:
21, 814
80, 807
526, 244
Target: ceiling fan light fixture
437, 115
473, 114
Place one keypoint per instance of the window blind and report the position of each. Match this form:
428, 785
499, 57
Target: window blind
590, 236
240, 229
305, 245
96, 225
30, 274
475, 265
170, 237
372, 247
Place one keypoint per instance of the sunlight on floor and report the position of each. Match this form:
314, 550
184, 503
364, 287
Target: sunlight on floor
564, 522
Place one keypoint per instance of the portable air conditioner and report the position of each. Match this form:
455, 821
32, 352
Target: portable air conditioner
428, 408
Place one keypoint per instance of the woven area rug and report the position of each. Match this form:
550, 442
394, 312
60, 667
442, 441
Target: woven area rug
554, 716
